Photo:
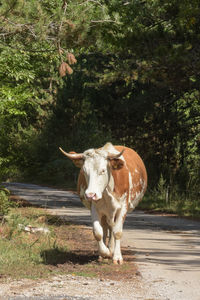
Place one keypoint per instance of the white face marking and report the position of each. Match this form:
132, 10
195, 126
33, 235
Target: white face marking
96, 172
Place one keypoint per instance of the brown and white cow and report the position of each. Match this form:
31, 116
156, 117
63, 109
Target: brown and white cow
112, 181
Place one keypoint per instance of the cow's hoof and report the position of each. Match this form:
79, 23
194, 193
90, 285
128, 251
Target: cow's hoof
100, 259
118, 261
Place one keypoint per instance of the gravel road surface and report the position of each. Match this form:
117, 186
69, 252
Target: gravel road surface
167, 251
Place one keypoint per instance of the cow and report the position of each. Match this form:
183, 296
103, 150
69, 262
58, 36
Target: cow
111, 182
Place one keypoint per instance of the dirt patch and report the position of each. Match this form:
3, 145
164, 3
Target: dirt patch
82, 257
70, 249
74, 271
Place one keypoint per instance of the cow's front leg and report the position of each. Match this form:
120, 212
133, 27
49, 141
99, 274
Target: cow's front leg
117, 232
98, 233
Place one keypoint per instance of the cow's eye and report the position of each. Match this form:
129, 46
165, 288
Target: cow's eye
102, 171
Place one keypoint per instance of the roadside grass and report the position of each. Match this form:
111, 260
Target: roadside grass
180, 204
20, 251
172, 199
66, 249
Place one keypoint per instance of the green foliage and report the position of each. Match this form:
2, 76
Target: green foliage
172, 199
5, 204
161, 190
35, 38
18, 248
136, 82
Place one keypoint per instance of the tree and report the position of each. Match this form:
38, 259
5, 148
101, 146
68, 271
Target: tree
136, 82
37, 39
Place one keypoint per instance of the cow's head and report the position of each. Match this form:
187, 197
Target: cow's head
97, 165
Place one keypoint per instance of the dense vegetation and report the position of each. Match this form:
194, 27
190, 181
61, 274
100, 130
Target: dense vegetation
79, 73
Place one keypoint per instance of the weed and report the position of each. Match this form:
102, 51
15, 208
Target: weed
85, 274
5, 204
171, 200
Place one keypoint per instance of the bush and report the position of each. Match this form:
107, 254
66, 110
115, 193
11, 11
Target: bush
172, 199
59, 172
4, 201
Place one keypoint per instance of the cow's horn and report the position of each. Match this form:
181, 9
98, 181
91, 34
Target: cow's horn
72, 155
113, 156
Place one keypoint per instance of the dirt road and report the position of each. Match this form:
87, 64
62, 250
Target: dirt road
167, 249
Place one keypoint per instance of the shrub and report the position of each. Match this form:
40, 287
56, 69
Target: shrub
4, 201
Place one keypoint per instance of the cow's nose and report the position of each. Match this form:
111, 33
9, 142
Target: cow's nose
91, 196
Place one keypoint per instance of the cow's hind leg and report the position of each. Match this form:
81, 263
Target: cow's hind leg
111, 243
117, 256
104, 225
98, 233
117, 232
108, 233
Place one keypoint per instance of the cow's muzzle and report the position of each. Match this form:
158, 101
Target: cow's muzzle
91, 196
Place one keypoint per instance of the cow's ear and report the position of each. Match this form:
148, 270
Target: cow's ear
77, 158
78, 162
116, 163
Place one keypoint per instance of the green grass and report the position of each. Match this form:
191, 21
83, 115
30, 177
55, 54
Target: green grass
23, 254
172, 199
177, 204
85, 274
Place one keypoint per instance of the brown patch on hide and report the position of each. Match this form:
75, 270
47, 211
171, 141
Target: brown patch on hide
81, 182
121, 182
134, 165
